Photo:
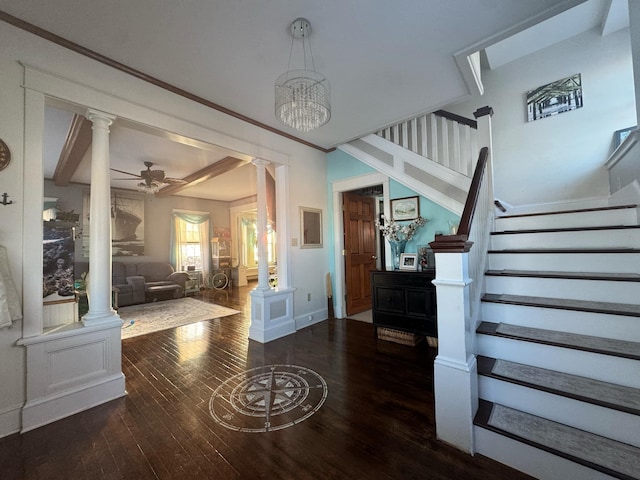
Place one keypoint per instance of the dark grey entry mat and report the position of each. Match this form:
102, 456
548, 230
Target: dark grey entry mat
594, 449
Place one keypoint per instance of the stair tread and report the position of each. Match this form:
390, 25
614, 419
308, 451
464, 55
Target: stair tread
607, 346
610, 395
567, 250
594, 451
632, 277
565, 304
564, 212
564, 229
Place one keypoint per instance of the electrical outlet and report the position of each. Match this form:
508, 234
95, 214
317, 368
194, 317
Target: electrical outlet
308, 297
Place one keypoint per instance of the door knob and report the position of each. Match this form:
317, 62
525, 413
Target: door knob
374, 257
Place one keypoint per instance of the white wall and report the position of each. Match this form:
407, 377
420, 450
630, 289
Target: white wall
114, 92
558, 158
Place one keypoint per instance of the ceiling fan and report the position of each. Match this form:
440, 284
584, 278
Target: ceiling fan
152, 180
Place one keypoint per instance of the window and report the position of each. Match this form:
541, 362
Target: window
191, 238
190, 250
249, 241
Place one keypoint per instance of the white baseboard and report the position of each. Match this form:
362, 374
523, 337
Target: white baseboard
311, 318
50, 408
10, 420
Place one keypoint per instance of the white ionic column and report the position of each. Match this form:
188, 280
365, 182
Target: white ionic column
99, 287
271, 309
263, 261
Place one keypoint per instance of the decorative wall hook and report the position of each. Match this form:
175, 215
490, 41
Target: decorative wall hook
5, 196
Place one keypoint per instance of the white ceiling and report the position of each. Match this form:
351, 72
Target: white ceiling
386, 61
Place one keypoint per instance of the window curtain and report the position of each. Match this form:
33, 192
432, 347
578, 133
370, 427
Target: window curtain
177, 238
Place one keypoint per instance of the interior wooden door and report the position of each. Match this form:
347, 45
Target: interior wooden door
360, 248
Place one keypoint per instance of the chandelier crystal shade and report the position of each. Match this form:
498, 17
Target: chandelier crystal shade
302, 96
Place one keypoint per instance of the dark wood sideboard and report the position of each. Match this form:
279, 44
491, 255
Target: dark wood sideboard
404, 301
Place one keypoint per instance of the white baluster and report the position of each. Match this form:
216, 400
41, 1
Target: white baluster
414, 135
423, 137
433, 138
405, 135
443, 135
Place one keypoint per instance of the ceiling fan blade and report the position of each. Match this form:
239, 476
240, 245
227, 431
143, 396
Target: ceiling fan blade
173, 181
126, 173
136, 178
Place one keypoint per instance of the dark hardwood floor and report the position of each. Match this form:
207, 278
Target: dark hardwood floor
377, 420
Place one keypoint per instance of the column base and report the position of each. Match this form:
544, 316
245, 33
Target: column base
91, 319
271, 314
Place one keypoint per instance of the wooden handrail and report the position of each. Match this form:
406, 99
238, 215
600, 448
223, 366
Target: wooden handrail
459, 242
472, 199
457, 118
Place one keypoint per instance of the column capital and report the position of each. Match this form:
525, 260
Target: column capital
94, 115
259, 162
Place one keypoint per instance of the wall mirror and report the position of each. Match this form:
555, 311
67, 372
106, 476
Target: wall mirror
310, 227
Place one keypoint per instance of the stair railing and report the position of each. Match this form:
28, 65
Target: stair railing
460, 266
443, 137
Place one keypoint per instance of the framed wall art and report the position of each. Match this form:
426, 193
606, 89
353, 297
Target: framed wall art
310, 227
554, 98
127, 224
407, 208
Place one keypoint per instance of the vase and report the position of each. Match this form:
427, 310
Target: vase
397, 248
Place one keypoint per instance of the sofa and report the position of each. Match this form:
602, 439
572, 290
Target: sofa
140, 282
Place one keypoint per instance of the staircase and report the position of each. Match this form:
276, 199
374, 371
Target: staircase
433, 154
559, 345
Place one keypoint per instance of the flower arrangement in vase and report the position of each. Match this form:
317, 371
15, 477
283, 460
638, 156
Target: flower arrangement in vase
398, 235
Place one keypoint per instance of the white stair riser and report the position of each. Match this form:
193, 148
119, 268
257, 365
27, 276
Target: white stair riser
627, 216
531, 460
607, 368
562, 262
628, 238
618, 327
619, 426
592, 290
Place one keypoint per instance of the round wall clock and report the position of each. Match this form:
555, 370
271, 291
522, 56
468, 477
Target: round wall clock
5, 155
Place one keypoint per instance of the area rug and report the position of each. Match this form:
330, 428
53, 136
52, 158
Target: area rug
152, 317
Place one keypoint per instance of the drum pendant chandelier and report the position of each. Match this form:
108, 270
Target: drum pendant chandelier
303, 96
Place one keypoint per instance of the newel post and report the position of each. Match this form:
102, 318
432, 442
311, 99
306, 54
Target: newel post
455, 367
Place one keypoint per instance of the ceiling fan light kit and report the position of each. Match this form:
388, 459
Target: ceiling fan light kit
302, 96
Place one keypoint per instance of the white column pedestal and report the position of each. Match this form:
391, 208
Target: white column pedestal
271, 314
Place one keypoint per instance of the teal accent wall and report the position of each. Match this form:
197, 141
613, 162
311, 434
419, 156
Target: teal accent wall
341, 165
438, 217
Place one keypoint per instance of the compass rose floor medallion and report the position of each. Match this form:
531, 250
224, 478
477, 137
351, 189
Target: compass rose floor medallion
268, 398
